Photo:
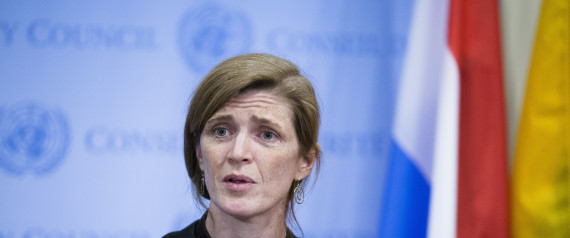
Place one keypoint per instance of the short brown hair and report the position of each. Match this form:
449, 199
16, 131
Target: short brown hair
236, 75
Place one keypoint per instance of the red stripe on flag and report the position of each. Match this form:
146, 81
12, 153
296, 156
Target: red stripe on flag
474, 40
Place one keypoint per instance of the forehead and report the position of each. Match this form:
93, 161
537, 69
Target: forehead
259, 101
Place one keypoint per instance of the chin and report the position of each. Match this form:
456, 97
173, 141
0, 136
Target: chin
240, 209
246, 207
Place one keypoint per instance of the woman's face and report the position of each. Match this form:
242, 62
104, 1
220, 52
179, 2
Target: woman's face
249, 153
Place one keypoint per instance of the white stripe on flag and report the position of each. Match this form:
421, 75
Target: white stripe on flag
416, 107
443, 200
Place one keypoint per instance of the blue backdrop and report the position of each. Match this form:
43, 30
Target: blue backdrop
93, 97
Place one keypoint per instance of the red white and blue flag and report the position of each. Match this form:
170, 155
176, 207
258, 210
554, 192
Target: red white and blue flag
447, 170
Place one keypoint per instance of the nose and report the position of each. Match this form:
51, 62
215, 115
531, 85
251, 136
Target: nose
241, 152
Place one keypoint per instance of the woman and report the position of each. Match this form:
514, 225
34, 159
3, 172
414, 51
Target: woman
250, 141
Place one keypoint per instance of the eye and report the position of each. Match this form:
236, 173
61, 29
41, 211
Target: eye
221, 132
268, 135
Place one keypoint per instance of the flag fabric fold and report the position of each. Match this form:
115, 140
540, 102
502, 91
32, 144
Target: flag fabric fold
447, 174
540, 185
408, 184
482, 189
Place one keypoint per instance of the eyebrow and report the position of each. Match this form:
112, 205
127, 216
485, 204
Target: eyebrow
230, 118
262, 120
222, 118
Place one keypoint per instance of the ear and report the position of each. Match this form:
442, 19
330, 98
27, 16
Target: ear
198, 150
306, 164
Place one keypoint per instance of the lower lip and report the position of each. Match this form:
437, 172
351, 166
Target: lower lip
238, 187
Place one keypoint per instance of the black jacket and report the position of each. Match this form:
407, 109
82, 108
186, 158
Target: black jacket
198, 230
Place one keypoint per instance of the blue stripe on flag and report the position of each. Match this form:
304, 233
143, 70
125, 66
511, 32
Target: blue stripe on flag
406, 198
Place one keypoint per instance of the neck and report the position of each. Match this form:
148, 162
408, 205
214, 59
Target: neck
221, 225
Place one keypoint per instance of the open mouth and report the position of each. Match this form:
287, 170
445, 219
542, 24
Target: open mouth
239, 183
238, 179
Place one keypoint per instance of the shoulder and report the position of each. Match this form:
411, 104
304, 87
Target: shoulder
187, 232
195, 230
172, 234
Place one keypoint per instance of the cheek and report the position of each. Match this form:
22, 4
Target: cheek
281, 169
210, 160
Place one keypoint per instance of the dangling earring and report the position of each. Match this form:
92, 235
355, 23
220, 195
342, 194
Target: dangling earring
202, 185
299, 193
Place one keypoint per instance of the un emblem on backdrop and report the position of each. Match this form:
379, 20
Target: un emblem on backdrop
209, 34
33, 138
